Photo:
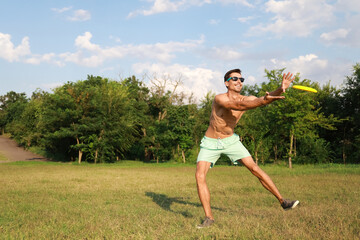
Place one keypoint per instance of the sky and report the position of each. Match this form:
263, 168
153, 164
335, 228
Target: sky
44, 44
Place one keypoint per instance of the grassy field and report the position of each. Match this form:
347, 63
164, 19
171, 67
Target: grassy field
2, 157
147, 201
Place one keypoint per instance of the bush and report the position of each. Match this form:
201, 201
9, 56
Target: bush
311, 150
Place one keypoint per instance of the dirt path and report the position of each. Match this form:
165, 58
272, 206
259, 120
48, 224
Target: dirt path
11, 150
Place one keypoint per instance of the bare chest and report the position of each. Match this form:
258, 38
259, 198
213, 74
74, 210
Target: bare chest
230, 117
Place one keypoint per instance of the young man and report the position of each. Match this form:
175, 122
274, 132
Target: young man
220, 138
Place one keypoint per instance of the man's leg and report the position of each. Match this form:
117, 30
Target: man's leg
204, 194
262, 176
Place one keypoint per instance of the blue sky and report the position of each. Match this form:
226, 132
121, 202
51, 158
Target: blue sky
44, 44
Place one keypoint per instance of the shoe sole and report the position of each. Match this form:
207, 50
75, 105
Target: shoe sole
293, 206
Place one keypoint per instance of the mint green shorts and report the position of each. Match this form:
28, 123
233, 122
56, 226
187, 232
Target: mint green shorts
212, 148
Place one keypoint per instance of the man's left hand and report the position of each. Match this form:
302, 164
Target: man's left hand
286, 81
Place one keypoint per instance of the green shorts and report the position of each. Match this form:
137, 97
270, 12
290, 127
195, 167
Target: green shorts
212, 148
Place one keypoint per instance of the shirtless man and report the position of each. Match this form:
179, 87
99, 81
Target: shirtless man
220, 138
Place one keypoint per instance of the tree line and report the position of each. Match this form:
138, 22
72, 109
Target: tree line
100, 120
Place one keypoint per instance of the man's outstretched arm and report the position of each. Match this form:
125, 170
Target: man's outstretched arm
247, 103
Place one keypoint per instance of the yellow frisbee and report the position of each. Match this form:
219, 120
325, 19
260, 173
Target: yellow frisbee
308, 89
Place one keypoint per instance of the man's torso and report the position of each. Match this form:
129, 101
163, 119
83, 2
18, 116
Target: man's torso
223, 120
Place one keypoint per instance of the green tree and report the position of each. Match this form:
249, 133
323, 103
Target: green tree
139, 94
180, 126
202, 118
297, 115
253, 129
12, 106
350, 108
90, 117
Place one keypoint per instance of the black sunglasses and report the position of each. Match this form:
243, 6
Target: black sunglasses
236, 78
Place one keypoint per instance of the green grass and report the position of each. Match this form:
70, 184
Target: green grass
132, 200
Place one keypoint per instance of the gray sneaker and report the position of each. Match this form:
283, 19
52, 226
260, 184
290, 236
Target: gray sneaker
206, 223
288, 204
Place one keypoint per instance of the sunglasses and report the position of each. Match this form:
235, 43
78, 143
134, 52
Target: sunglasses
236, 78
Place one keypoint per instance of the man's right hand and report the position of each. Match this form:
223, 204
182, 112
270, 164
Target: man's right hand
270, 98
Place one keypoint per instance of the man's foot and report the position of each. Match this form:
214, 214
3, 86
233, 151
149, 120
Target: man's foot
288, 204
206, 223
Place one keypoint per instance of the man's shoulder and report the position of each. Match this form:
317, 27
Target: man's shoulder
221, 95
221, 98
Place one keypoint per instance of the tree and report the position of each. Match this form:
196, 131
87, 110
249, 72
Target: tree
253, 126
350, 108
297, 114
180, 125
202, 117
12, 105
90, 117
164, 96
138, 95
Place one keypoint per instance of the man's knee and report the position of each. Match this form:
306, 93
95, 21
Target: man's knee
201, 170
255, 169
200, 176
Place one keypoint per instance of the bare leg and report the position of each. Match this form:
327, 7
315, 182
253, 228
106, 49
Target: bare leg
262, 176
204, 194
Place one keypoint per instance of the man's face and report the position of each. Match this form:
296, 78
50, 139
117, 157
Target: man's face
234, 85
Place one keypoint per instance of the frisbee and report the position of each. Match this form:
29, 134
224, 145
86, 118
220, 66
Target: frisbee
308, 89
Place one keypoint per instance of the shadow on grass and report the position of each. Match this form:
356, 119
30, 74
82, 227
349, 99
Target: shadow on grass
165, 203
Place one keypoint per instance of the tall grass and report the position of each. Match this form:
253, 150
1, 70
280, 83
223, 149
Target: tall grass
149, 201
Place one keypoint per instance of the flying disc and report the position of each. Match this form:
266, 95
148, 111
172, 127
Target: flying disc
308, 89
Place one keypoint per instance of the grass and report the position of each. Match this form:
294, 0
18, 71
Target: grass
40, 200
3, 157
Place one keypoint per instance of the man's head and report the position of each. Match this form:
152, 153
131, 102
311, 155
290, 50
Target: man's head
234, 80
227, 75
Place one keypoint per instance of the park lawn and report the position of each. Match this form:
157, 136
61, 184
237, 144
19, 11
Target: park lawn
2, 157
41, 200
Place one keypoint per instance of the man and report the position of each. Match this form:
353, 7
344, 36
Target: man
220, 138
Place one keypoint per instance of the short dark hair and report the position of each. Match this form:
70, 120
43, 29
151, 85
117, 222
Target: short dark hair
227, 75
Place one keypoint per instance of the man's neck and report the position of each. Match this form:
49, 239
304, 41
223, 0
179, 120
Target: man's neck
232, 94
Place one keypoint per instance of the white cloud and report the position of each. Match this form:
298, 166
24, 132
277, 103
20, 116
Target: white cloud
245, 19
352, 38
80, 15
307, 64
162, 6
93, 55
312, 67
348, 5
50, 86
22, 52
336, 34
295, 17
61, 10
83, 41
214, 21
196, 80
116, 39
251, 79
241, 2
11, 53
47, 57
223, 53
346, 32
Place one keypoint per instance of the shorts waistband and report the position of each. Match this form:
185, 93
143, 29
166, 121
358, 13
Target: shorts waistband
226, 140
